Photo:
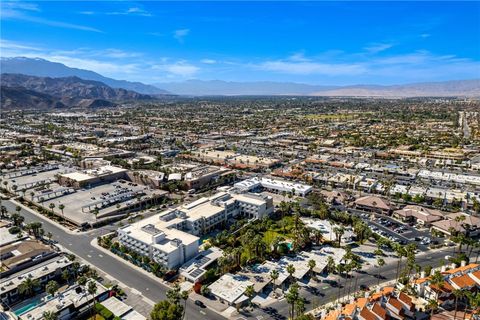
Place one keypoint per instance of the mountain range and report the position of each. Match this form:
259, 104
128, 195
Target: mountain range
44, 68
31, 92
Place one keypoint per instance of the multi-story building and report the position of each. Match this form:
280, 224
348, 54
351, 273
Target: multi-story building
171, 237
276, 186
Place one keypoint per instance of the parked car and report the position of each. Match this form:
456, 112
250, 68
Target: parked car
200, 303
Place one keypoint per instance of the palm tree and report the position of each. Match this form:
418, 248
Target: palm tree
51, 287
290, 270
50, 315
250, 292
51, 206
28, 286
459, 294
300, 307
292, 297
61, 207
311, 265
400, 253
380, 263
432, 305
184, 296
339, 231
274, 276
330, 264
92, 290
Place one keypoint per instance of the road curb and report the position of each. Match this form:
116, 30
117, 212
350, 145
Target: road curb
94, 244
24, 207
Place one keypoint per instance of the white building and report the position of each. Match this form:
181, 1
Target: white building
171, 237
277, 186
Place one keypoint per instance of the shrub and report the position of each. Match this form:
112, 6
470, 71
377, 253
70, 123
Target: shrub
14, 230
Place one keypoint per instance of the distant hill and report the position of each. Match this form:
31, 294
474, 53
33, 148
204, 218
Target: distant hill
458, 88
29, 92
463, 88
44, 68
70, 87
228, 88
21, 98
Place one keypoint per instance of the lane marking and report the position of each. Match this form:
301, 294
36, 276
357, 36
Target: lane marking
89, 256
101, 256
203, 312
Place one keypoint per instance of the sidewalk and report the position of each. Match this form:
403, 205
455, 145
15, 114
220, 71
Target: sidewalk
94, 244
24, 207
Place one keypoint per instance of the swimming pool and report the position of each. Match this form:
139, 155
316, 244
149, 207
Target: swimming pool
26, 308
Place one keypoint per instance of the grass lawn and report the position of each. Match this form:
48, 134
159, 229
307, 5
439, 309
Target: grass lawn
97, 317
268, 236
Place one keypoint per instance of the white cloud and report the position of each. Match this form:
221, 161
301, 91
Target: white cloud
208, 61
378, 47
179, 69
132, 11
180, 34
425, 35
22, 12
12, 45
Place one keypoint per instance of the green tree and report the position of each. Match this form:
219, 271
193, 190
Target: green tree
459, 294
61, 207
92, 290
51, 287
52, 206
290, 270
17, 219
432, 305
292, 297
330, 264
311, 265
50, 315
250, 292
274, 276
28, 286
380, 263
166, 310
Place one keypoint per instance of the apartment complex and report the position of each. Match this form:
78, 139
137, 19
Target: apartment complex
171, 237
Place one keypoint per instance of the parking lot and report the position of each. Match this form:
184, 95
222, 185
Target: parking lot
107, 198
396, 231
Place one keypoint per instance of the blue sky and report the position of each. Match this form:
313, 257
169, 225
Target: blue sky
338, 43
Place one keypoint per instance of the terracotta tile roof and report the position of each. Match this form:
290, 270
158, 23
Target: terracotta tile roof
421, 280
405, 299
361, 302
379, 311
446, 287
464, 281
333, 315
463, 269
395, 303
367, 314
476, 274
349, 309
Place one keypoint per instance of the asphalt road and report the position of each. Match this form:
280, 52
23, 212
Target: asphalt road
80, 245
155, 291
326, 293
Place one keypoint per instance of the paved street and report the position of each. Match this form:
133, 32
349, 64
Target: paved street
80, 245
155, 291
